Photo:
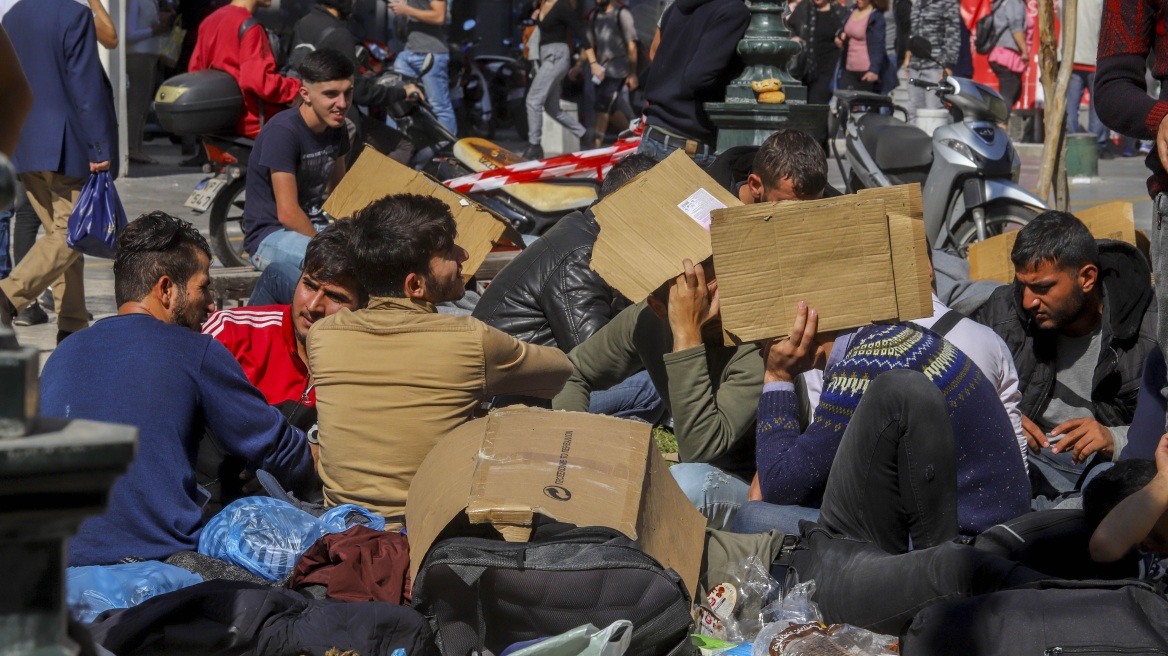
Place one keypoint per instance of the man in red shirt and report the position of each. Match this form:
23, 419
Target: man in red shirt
268, 341
248, 59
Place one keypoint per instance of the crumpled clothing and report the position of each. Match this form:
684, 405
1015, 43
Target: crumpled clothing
358, 565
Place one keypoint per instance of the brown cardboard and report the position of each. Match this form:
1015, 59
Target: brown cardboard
645, 232
835, 254
376, 176
990, 259
910, 256
590, 470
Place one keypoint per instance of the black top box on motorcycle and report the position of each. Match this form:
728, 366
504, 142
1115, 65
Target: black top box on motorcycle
202, 102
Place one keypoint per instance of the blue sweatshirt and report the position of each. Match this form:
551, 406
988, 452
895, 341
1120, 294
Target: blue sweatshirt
1148, 423
171, 383
992, 485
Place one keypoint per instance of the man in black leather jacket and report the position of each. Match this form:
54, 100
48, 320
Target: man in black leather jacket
549, 296
1079, 320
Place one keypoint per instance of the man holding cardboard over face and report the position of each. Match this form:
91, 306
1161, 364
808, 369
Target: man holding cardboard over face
917, 404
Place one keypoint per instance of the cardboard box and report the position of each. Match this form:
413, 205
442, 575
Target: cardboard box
505, 470
376, 176
835, 253
910, 248
990, 259
651, 224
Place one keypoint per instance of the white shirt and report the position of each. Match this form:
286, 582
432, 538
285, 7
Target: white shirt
988, 352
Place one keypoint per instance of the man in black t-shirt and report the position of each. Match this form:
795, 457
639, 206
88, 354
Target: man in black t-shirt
297, 161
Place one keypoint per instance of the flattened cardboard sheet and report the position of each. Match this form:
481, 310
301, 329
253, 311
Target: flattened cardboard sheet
376, 176
910, 257
651, 224
505, 469
833, 253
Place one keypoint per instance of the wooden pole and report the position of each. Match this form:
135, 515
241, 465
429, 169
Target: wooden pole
1055, 80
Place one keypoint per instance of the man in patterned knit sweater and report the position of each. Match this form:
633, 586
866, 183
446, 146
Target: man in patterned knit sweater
936, 420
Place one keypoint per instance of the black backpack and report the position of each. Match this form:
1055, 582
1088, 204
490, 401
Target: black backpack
485, 594
987, 36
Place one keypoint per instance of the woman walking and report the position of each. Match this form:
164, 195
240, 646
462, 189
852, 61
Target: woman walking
555, 18
816, 23
862, 42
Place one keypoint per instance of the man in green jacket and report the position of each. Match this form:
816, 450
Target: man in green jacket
712, 390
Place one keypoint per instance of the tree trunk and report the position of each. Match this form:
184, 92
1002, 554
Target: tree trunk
1055, 80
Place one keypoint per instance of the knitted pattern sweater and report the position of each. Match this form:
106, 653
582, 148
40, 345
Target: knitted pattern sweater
992, 486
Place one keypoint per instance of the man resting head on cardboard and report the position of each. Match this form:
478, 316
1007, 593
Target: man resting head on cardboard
711, 389
789, 165
395, 377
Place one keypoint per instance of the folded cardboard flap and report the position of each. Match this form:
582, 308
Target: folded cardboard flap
376, 176
835, 254
514, 466
910, 256
990, 259
651, 224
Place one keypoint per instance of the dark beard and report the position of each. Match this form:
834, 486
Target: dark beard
185, 314
1076, 305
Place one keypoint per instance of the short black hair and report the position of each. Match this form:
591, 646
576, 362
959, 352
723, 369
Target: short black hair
397, 236
792, 154
329, 256
155, 244
1055, 237
623, 171
325, 65
1106, 490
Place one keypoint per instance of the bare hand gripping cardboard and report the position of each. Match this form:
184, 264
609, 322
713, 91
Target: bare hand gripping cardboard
506, 469
376, 176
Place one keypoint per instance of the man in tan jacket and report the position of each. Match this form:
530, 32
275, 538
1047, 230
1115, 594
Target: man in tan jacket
394, 378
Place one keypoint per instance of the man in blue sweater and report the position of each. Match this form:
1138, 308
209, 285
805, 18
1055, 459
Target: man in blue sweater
150, 368
952, 409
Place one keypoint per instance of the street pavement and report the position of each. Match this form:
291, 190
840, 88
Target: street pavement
166, 187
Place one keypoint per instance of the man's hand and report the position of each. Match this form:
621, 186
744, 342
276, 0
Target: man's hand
1084, 436
1162, 142
785, 359
869, 77
948, 72
631, 82
399, 7
755, 493
691, 306
98, 167
1162, 456
411, 90
1035, 438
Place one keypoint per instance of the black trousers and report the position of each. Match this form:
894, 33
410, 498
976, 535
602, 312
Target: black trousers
895, 475
1009, 84
851, 80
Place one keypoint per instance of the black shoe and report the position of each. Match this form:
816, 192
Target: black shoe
61, 335
46, 300
199, 159
1106, 152
533, 151
33, 315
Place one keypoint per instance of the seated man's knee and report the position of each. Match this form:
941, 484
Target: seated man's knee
905, 387
716, 494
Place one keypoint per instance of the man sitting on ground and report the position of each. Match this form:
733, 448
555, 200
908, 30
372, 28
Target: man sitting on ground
1079, 321
298, 160
395, 377
148, 367
794, 467
785, 167
549, 295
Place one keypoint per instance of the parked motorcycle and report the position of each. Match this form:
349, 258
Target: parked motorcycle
473, 109
506, 79
968, 169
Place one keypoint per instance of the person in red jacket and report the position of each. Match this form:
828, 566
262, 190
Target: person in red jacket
248, 59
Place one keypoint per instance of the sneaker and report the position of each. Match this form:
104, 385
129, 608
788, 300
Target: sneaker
33, 315
46, 300
533, 151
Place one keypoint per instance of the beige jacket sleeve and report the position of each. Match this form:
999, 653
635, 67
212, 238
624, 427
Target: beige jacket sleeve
515, 367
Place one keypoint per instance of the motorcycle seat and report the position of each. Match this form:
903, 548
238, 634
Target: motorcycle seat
851, 96
480, 155
893, 143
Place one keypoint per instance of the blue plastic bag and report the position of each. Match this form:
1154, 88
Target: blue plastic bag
97, 219
90, 591
263, 535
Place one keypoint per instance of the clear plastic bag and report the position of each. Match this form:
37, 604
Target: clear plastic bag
793, 609
734, 608
263, 535
92, 590
817, 639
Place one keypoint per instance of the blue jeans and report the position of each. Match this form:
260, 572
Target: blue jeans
760, 517
716, 494
285, 249
1084, 81
5, 231
633, 398
276, 286
437, 83
659, 152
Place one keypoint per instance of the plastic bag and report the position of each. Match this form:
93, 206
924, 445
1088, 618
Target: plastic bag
817, 639
97, 218
586, 640
90, 591
263, 535
734, 608
794, 609
345, 517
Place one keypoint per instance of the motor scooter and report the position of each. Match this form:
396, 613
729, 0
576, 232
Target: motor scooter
968, 169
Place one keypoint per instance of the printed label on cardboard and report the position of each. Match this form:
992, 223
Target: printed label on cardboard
699, 205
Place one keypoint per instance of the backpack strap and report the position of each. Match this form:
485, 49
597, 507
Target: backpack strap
251, 22
947, 322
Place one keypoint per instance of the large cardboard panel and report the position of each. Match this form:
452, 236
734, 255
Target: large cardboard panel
833, 253
654, 222
910, 257
376, 176
990, 259
506, 469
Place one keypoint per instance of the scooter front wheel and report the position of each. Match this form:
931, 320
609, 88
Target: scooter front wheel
1000, 218
227, 225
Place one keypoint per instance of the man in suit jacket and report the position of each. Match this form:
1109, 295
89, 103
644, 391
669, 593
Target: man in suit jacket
70, 133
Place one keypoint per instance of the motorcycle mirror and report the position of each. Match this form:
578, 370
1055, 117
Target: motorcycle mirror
920, 47
468, 25
427, 64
